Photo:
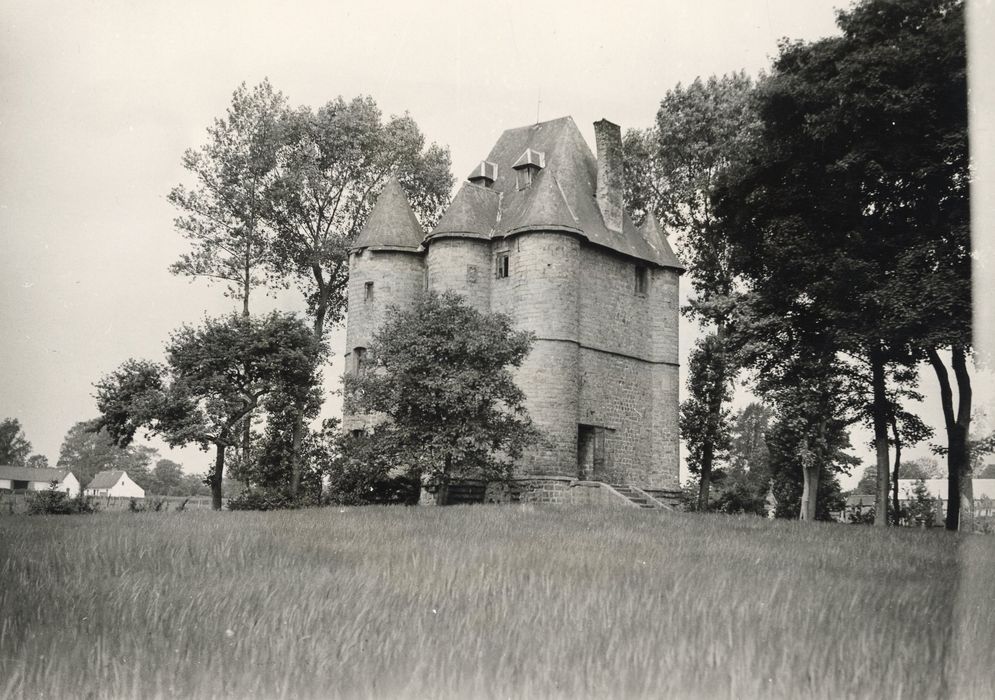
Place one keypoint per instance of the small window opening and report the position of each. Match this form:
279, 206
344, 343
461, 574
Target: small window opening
359, 361
471, 274
524, 178
357, 433
642, 280
368, 287
503, 265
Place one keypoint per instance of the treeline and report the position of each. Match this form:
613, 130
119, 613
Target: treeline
823, 213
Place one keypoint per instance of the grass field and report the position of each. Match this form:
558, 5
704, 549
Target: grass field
489, 602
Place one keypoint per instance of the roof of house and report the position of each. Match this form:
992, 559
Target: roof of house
392, 224
860, 499
562, 196
938, 487
106, 479
45, 474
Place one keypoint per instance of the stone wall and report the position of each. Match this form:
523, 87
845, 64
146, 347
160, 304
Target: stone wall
464, 265
398, 278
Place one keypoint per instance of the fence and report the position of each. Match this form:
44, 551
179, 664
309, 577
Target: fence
16, 502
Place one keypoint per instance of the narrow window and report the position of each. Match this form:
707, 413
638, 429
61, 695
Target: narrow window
503, 265
369, 291
642, 280
359, 361
357, 433
524, 178
471, 274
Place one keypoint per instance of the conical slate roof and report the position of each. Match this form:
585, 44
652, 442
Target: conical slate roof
562, 196
472, 214
392, 225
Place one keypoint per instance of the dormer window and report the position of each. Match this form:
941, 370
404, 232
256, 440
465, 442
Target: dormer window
484, 174
527, 166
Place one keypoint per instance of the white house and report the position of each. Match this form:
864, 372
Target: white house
114, 483
38, 479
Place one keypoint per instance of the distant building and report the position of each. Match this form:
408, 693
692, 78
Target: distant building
540, 233
38, 479
983, 493
857, 505
114, 483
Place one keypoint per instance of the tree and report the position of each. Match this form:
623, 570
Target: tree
37, 462
332, 166
745, 484
215, 376
223, 214
167, 478
441, 377
921, 468
701, 131
14, 446
87, 450
868, 483
854, 207
704, 429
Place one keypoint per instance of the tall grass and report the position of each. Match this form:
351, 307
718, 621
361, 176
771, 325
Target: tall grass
489, 602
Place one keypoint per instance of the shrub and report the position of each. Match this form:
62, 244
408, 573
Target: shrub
262, 499
149, 505
58, 503
364, 471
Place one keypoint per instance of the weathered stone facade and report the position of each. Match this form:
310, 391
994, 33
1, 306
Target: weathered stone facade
536, 236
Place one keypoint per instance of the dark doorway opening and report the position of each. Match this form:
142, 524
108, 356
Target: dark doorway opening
590, 452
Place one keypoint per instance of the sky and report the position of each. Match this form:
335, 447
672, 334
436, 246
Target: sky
100, 99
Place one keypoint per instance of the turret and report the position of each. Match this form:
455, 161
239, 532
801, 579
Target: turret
386, 268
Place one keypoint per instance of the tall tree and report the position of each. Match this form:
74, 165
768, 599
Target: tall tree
215, 376
332, 166
223, 214
14, 445
856, 203
701, 131
703, 420
87, 450
441, 376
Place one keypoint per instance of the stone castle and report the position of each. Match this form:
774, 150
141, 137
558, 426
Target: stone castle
539, 232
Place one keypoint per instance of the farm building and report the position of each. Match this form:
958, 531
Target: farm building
539, 232
38, 479
114, 483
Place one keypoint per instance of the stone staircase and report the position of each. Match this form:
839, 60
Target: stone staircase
638, 497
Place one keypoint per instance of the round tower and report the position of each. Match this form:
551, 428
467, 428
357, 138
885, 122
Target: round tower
459, 247
386, 268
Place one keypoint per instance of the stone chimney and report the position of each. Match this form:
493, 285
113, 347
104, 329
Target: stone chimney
608, 137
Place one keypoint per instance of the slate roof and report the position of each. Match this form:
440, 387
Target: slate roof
562, 196
45, 474
392, 225
106, 479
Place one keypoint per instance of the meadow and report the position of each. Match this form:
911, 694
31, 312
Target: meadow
489, 601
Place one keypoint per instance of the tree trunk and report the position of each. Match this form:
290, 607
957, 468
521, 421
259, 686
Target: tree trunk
957, 427
704, 484
898, 465
879, 414
713, 419
810, 492
297, 437
217, 476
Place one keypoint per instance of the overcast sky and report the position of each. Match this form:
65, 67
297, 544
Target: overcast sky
100, 99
